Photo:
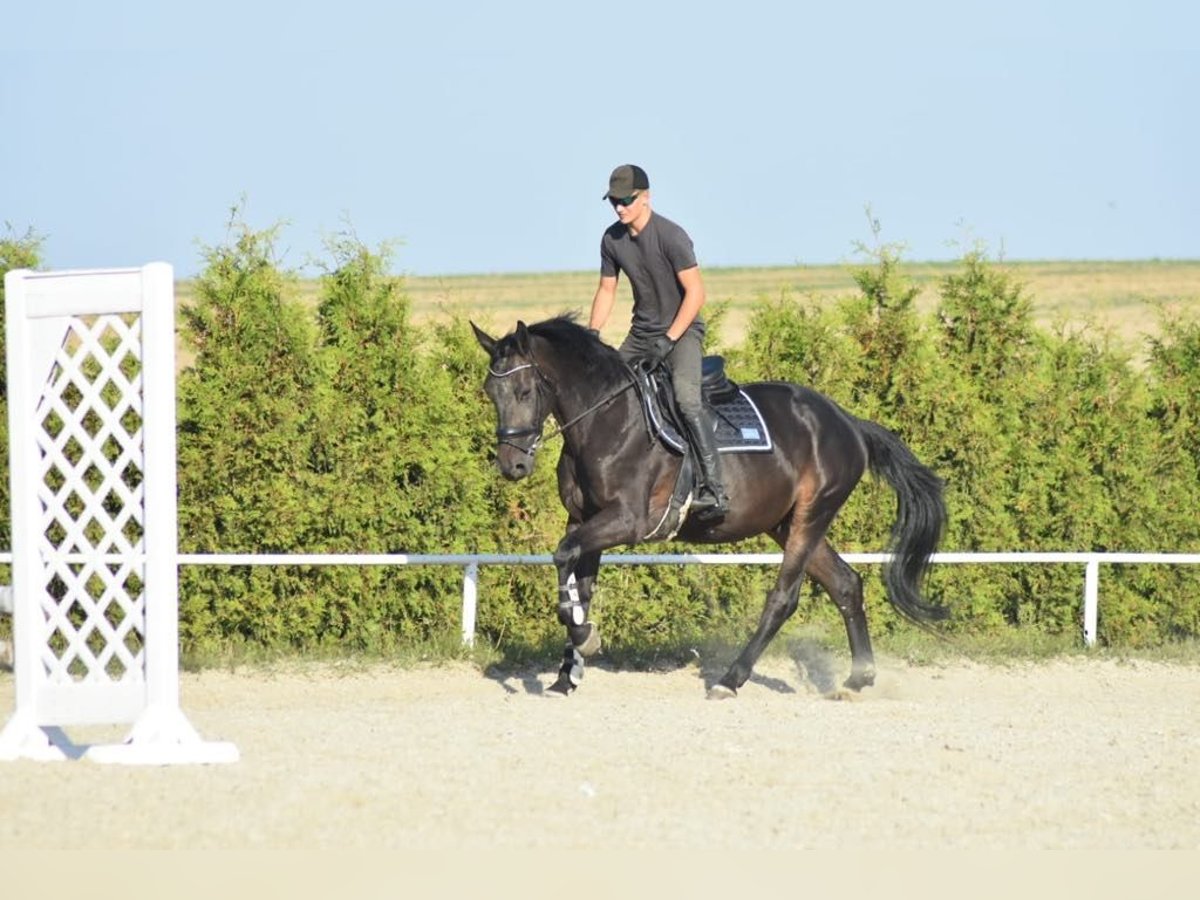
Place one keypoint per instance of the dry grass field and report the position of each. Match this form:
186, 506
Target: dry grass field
1120, 297
1118, 294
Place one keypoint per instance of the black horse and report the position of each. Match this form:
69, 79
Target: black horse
617, 487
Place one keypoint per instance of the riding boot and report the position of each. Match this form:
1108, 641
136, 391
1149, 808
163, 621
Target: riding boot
711, 501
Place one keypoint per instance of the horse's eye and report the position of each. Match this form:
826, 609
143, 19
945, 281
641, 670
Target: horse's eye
524, 395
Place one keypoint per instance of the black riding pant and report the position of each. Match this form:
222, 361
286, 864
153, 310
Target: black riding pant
684, 364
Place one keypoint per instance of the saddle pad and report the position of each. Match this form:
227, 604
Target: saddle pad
740, 426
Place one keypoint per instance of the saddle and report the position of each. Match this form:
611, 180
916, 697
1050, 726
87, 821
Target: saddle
740, 428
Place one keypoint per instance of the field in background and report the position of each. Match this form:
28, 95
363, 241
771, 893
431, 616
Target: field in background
1116, 295
1119, 296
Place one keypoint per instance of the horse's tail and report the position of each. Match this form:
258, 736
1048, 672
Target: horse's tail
920, 516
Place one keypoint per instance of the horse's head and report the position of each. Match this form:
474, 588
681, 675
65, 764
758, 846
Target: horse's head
515, 386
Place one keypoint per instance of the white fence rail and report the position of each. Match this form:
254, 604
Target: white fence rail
470, 563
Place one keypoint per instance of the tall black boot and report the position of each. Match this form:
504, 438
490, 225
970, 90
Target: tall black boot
711, 502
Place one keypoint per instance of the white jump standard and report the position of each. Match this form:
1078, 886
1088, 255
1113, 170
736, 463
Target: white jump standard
91, 381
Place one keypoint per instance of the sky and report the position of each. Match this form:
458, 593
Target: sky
478, 137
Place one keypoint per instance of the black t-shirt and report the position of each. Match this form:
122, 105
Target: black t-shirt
651, 261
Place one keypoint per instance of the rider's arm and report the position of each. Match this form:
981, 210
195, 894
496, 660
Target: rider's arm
693, 299
602, 303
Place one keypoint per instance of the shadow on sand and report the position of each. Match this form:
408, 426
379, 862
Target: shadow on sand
814, 665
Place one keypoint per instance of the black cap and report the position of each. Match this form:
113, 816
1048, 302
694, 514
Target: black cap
625, 180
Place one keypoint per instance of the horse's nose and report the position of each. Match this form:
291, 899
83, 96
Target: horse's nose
514, 469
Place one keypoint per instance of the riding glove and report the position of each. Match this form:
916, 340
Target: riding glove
659, 351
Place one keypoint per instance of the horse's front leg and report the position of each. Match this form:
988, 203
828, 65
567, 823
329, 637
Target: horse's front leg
577, 560
575, 587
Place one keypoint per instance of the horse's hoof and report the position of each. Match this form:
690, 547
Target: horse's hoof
840, 694
859, 680
590, 645
721, 692
562, 687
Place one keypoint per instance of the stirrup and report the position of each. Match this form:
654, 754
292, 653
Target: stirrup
710, 504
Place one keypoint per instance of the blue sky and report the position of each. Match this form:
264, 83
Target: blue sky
479, 136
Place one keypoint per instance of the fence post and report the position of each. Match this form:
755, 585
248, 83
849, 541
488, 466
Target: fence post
470, 594
1091, 603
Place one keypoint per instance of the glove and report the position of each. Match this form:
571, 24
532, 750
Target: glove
659, 351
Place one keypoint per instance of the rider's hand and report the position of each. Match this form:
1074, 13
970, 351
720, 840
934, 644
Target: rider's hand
659, 350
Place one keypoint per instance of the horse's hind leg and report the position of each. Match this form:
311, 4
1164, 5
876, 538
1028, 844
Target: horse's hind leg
844, 587
782, 601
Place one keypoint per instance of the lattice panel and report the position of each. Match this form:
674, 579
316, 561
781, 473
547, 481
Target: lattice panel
89, 435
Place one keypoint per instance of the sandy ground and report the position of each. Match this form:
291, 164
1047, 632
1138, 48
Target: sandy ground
1070, 754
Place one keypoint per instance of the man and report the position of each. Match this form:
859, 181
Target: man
656, 256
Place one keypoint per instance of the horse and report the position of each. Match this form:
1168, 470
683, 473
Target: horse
617, 487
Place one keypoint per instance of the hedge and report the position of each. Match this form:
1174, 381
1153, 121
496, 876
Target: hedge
346, 427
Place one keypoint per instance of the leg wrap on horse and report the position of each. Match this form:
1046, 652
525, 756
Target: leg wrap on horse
584, 635
573, 613
572, 667
571, 610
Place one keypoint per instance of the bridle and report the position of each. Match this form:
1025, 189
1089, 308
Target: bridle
510, 435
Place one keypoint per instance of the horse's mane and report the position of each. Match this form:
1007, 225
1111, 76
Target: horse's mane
588, 354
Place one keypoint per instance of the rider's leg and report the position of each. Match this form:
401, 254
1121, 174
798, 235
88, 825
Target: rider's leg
685, 362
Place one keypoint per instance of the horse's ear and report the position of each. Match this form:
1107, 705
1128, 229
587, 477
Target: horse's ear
522, 338
487, 342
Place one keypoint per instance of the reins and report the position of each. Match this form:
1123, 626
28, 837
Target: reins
559, 429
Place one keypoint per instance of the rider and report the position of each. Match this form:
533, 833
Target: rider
657, 256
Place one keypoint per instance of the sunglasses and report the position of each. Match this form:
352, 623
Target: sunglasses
623, 201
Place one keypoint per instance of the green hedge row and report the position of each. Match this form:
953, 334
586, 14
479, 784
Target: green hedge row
1046, 440
344, 427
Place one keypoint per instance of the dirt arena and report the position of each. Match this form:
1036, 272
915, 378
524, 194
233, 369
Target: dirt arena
1070, 754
